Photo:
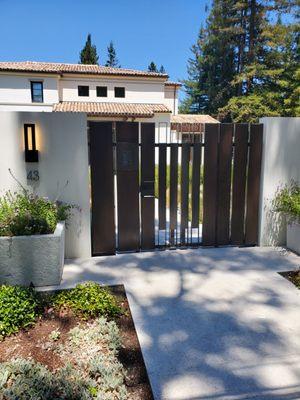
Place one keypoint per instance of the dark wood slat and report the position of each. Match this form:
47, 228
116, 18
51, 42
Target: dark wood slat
239, 183
196, 170
184, 186
210, 186
102, 188
173, 191
253, 184
147, 185
128, 186
162, 182
224, 183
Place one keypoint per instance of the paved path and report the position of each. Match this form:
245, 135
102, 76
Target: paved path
213, 323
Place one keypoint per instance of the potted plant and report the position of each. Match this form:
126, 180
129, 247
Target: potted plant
32, 239
287, 201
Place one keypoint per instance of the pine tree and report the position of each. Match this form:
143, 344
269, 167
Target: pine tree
112, 60
162, 70
245, 63
211, 67
152, 67
88, 54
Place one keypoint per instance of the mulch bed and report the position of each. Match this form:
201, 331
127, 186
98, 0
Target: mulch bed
292, 276
30, 343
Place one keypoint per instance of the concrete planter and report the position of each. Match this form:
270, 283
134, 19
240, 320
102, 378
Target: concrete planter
293, 236
36, 259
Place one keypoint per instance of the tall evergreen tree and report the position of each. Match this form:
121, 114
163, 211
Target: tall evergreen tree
162, 70
243, 51
88, 54
152, 67
112, 60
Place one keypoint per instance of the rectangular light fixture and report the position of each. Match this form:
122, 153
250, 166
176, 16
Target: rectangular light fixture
31, 153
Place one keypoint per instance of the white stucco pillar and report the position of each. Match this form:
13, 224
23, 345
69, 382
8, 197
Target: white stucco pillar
280, 165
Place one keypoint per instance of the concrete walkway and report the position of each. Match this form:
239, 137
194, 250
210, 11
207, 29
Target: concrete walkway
213, 323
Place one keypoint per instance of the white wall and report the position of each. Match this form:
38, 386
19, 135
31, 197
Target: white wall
280, 164
63, 156
135, 91
15, 90
170, 93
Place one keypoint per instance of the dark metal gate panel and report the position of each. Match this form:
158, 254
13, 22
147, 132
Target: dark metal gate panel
196, 171
127, 139
162, 183
224, 183
239, 184
102, 188
173, 193
147, 186
210, 189
184, 192
253, 183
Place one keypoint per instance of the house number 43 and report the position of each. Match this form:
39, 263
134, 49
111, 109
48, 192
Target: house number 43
33, 175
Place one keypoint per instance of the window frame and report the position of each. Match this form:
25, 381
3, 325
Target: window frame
119, 87
32, 91
101, 87
83, 95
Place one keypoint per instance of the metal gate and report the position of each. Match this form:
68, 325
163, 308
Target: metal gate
185, 189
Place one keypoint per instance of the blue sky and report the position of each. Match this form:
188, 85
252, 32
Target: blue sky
142, 30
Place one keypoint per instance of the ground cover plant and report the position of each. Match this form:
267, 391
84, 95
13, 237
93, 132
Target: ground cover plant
71, 344
287, 201
24, 213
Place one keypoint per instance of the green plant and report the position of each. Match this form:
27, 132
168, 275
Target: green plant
92, 369
287, 200
23, 213
19, 308
54, 335
22, 379
88, 300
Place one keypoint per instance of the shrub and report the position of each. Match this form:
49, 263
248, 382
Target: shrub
26, 379
18, 309
88, 300
23, 213
287, 200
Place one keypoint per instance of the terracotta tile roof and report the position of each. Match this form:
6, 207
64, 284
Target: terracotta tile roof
112, 109
193, 119
191, 122
171, 83
62, 68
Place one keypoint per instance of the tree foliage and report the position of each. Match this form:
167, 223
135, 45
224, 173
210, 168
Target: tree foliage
245, 62
152, 67
112, 60
88, 54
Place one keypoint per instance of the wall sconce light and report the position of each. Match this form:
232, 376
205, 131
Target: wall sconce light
31, 153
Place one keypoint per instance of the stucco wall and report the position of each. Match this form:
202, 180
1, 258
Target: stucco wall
135, 91
16, 90
171, 99
280, 164
63, 157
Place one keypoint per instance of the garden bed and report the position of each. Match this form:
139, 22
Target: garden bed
103, 351
292, 276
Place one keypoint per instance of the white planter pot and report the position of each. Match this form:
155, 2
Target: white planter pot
293, 236
36, 259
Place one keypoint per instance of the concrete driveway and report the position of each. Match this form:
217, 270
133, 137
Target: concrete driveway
213, 323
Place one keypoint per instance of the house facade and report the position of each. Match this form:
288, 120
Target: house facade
99, 92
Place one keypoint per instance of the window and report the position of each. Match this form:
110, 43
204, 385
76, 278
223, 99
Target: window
83, 91
101, 91
119, 92
37, 92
